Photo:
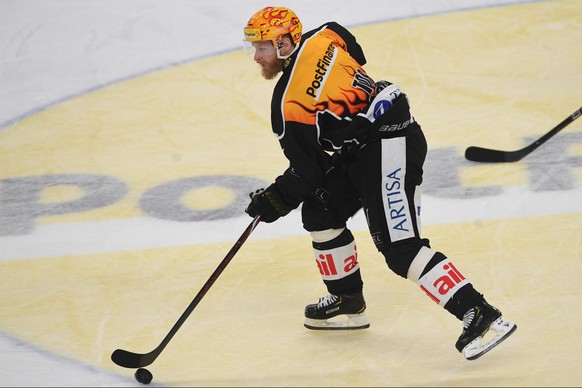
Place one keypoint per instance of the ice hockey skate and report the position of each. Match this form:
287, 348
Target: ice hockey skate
477, 322
337, 312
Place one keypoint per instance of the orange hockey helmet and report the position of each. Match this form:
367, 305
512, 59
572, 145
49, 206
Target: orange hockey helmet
272, 23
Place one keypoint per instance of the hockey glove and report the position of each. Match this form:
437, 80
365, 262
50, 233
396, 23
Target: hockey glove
267, 203
359, 128
358, 134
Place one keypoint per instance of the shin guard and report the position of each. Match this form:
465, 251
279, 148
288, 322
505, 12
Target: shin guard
337, 260
436, 275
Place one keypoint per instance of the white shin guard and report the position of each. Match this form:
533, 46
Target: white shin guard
337, 262
441, 282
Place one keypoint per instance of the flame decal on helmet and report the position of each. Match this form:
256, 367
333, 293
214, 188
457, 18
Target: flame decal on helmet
271, 23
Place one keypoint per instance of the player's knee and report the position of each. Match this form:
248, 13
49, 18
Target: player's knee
324, 236
423, 262
399, 256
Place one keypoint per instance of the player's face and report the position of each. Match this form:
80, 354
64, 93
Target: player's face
266, 57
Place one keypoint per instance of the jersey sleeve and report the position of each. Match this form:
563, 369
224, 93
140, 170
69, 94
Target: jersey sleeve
307, 163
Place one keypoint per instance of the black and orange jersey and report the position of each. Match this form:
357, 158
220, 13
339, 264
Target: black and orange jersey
322, 84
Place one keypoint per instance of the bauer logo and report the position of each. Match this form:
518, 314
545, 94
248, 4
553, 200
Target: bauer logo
396, 127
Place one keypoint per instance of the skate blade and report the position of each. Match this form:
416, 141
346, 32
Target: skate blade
353, 322
479, 346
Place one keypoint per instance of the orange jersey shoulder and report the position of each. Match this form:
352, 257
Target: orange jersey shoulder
325, 78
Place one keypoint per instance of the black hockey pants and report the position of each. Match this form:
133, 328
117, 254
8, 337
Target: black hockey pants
384, 179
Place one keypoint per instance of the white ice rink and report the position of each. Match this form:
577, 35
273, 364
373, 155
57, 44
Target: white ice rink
64, 63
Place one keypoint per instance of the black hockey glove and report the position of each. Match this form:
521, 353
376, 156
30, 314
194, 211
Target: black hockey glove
360, 127
358, 131
268, 203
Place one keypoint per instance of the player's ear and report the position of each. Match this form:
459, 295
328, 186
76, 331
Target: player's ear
288, 45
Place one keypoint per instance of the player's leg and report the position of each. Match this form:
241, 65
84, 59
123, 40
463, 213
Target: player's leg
394, 220
336, 257
337, 260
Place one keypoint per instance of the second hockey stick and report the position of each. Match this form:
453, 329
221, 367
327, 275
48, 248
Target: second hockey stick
129, 359
486, 155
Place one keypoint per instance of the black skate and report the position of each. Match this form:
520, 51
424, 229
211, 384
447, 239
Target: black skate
476, 323
318, 315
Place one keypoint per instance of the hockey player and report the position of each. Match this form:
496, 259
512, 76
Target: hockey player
331, 117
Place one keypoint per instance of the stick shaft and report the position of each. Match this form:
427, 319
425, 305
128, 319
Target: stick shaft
128, 359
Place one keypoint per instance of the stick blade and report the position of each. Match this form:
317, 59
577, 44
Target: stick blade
486, 155
132, 360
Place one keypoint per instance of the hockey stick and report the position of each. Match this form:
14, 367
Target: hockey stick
128, 359
486, 155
